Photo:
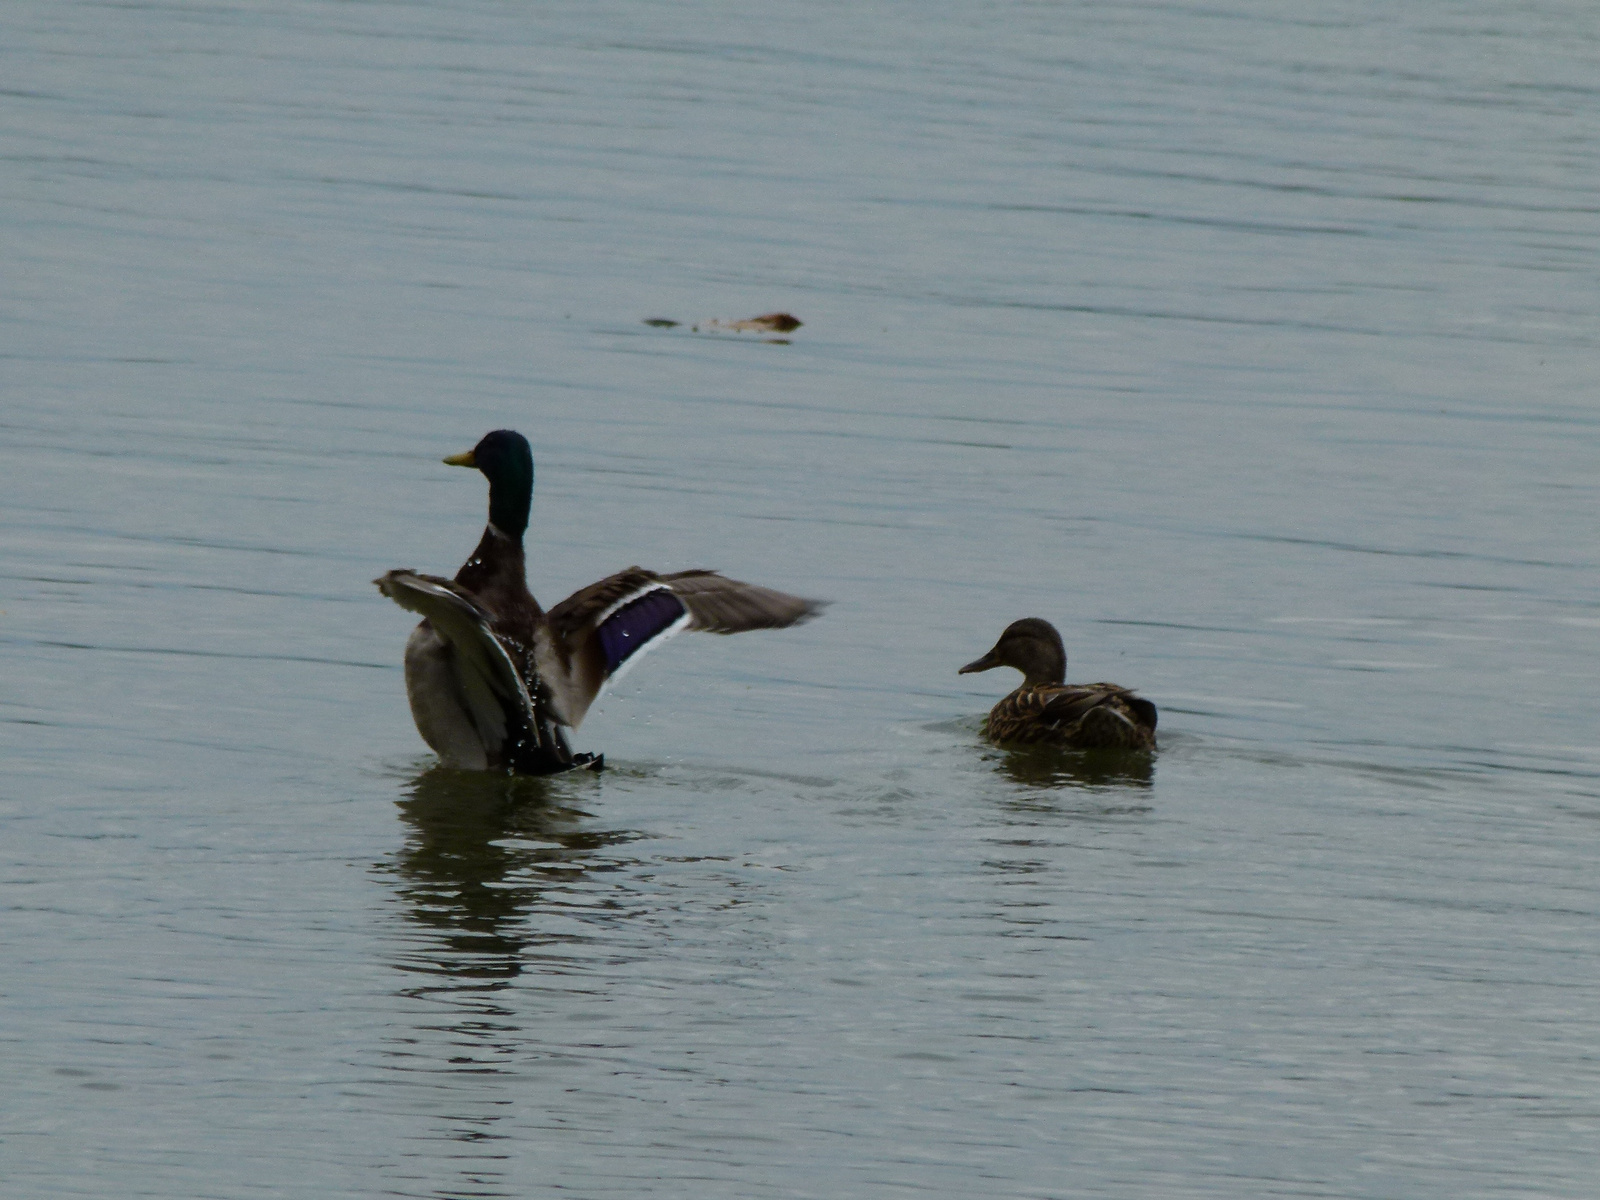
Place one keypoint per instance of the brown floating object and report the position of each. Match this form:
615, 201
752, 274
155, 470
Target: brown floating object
773, 322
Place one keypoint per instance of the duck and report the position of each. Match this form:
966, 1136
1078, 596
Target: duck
1047, 709
495, 682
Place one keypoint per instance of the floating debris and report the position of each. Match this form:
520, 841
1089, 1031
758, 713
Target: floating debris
774, 322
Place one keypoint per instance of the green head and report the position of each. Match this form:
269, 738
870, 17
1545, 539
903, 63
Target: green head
506, 461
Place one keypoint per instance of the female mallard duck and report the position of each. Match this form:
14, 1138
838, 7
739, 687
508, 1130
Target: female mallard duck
1085, 716
493, 678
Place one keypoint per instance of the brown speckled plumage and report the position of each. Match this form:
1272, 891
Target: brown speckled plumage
1089, 716
1047, 710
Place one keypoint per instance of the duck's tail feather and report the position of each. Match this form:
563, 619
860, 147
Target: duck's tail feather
1106, 727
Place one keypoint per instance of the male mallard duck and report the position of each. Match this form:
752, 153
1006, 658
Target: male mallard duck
493, 678
1085, 716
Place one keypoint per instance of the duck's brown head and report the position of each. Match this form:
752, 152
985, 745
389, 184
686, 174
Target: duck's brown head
1030, 645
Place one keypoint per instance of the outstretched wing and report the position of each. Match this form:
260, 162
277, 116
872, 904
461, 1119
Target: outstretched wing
596, 634
717, 604
490, 687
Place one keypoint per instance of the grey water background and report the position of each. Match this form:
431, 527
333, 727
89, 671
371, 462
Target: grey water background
1251, 343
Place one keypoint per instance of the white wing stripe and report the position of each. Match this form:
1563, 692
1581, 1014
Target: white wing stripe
646, 646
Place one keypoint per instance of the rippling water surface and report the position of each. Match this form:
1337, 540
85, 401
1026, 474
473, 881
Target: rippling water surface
1252, 344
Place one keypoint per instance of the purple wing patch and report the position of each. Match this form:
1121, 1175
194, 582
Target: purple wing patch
636, 624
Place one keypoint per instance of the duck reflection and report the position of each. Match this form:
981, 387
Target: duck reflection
485, 881
1052, 767
484, 852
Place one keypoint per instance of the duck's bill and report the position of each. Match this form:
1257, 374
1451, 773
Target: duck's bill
979, 664
462, 460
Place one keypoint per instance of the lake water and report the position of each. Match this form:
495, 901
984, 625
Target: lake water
1252, 344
